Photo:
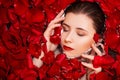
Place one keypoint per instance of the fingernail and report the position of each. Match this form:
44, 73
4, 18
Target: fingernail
62, 10
82, 62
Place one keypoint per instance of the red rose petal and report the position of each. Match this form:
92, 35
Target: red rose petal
60, 58
42, 71
50, 12
96, 37
56, 37
103, 76
48, 58
112, 38
75, 63
102, 61
49, 2
29, 61
54, 70
3, 15
20, 7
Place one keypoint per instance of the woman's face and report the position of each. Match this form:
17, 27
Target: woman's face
77, 35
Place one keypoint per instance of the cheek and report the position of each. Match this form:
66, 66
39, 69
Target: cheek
83, 44
63, 36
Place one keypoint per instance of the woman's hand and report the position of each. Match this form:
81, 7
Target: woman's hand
56, 22
91, 57
49, 31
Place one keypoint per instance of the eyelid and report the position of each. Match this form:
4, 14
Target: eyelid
65, 29
81, 34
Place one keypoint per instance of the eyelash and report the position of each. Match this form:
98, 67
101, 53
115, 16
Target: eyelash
66, 30
80, 34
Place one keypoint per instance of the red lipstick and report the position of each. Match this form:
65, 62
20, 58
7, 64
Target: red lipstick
67, 48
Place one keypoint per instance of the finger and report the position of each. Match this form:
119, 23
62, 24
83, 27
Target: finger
97, 70
49, 30
90, 57
96, 50
53, 24
60, 14
57, 20
88, 65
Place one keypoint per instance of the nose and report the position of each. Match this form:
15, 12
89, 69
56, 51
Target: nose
69, 38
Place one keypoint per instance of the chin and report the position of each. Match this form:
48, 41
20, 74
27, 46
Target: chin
71, 55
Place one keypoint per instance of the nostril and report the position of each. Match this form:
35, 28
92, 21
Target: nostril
67, 41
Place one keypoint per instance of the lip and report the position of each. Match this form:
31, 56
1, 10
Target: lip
67, 48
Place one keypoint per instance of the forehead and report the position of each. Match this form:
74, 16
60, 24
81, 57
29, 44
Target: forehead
79, 21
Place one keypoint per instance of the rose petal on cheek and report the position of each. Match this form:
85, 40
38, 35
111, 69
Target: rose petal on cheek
96, 37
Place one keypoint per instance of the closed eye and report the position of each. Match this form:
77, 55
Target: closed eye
65, 27
81, 33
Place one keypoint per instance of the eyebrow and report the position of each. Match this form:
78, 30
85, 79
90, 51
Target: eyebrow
76, 28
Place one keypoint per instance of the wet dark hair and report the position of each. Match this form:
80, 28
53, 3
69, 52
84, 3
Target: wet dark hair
92, 10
